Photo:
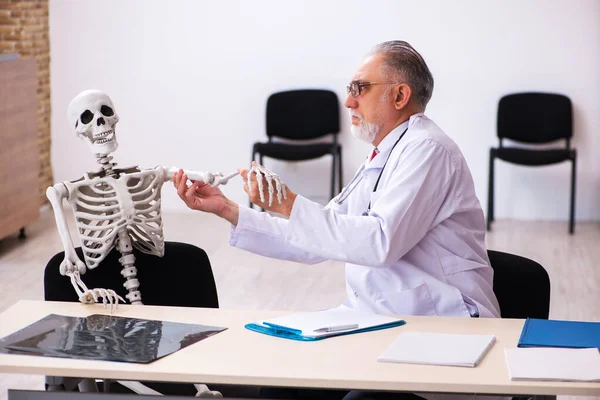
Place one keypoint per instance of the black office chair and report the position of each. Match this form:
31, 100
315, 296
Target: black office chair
300, 116
521, 285
534, 118
183, 277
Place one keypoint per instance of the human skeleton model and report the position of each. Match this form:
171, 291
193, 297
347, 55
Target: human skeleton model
118, 207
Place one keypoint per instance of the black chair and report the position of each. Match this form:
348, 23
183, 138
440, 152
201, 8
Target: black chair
299, 116
183, 277
534, 118
521, 285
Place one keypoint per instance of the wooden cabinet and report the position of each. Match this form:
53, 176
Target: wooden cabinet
19, 154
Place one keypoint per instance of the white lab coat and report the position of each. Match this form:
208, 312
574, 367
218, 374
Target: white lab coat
421, 248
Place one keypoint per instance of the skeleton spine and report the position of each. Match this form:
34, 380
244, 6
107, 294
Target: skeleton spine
129, 271
105, 161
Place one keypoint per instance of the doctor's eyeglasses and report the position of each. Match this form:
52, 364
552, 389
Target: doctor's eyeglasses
355, 88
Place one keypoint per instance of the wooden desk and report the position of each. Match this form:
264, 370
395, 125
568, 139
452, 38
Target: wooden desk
239, 356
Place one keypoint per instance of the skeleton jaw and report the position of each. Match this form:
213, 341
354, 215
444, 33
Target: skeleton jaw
103, 137
104, 142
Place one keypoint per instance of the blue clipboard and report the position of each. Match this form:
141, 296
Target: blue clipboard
294, 334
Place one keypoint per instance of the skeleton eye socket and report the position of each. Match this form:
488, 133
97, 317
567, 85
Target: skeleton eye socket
107, 111
86, 117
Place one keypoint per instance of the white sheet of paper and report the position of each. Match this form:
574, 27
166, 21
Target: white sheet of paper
553, 364
438, 349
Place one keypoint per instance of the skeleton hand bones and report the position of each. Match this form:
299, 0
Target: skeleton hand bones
261, 173
73, 267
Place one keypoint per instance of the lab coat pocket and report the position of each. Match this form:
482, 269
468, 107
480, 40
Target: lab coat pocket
453, 264
374, 197
414, 301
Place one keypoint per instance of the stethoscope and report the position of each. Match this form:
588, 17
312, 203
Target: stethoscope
358, 177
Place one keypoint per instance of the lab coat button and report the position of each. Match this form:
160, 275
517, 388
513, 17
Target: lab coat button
355, 294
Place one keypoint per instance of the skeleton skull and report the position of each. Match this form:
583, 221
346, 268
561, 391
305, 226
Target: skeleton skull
92, 114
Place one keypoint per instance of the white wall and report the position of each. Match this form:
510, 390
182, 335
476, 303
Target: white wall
190, 81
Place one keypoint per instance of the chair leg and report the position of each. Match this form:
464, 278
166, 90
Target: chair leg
493, 214
339, 161
573, 179
490, 213
333, 165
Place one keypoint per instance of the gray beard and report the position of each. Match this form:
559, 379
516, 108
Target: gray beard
365, 131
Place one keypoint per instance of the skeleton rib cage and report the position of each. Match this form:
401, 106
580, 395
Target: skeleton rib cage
102, 206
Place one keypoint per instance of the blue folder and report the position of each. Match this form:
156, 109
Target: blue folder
294, 334
558, 333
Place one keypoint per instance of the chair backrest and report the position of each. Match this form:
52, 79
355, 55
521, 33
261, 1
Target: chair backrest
521, 285
182, 277
303, 114
535, 117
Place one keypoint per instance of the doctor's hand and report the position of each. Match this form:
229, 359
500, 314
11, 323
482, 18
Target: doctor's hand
204, 197
263, 199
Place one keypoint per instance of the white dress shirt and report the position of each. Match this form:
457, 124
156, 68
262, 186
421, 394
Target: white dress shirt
419, 250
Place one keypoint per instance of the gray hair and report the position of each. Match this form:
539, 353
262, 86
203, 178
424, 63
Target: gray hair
402, 63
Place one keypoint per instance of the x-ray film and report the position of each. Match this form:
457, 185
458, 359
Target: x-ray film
104, 337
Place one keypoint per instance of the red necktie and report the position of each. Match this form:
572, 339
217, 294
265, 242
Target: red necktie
373, 154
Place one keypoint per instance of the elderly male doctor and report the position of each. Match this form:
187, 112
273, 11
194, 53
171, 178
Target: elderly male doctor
408, 226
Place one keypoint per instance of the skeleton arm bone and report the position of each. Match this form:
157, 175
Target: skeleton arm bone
213, 179
56, 194
72, 266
